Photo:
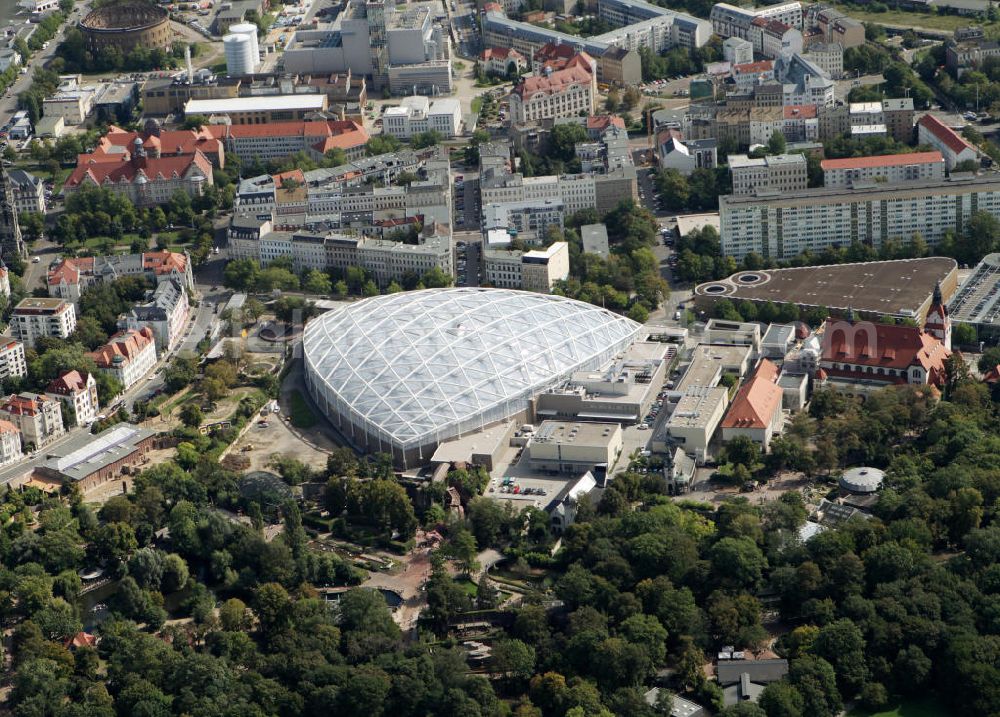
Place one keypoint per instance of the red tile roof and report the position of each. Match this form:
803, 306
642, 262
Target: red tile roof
500, 53
884, 346
125, 345
753, 67
800, 112
603, 122
345, 133
8, 427
757, 400
118, 140
25, 404
164, 262
558, 81
70, 382
123, 169
949, 137
80, 639
883, 160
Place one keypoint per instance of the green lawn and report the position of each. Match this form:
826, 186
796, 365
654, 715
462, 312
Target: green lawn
302, 415
924, 20
477, 104
470, 588
923, 708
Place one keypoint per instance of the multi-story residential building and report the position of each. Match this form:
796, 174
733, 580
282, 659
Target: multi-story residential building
963, 56
619, 66
128, 356
886, 169
782, 226
36, 317
542, 268
602, 192
932, 131
28, 190
70, 277
772, 38
10, 443
803, 82
768, 175
391, 260
686, 156
78, 392
37, 417
418, 114
828, 56
563, 93
4, 280
865, 114
898, 115
12, 362
753, 73
165, 311
731, 21
835, 26
801, 123
529, 220
737, 51
536, 270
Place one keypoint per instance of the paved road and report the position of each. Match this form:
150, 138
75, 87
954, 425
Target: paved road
8, 103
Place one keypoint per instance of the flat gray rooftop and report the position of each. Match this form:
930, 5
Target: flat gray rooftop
900, 287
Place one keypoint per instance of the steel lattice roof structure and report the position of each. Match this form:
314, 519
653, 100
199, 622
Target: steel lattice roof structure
409, 370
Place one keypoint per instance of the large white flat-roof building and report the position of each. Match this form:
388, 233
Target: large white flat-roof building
260, 109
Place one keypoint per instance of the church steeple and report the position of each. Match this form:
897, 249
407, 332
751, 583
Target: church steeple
938, 323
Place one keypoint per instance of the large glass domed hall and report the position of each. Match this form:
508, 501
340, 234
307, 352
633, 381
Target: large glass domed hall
403, 372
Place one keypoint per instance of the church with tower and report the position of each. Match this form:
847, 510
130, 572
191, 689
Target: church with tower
868, 355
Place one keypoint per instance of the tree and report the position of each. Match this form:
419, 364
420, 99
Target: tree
191, 415
738, 563
513, 659
242, 274
776, 144
462, 547
235, 616
842, 645
317, 282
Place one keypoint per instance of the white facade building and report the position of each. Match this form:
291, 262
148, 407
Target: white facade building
782, 226
37, 417
886, 169
418, 114
12, 362
10, 443
36, 317
79, 392
128, 356
777, 173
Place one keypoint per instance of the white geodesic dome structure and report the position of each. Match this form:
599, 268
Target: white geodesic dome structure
403, 372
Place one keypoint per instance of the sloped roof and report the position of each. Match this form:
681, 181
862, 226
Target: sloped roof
883, 345
882, 160
121, 169
122, 348
757, 400
558, 81
949, 137
69, 382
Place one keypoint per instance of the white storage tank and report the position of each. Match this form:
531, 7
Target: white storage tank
250, 30
239, 55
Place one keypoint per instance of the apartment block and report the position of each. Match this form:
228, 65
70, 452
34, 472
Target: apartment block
886, 169
28, 191
10, 443
12, 362
898, 115
536, 270
782, 226
732, 21
36, 317
78, 391
37, 417
602, 192
128, 356
165, 311
775, 174
737, 51
564, 93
